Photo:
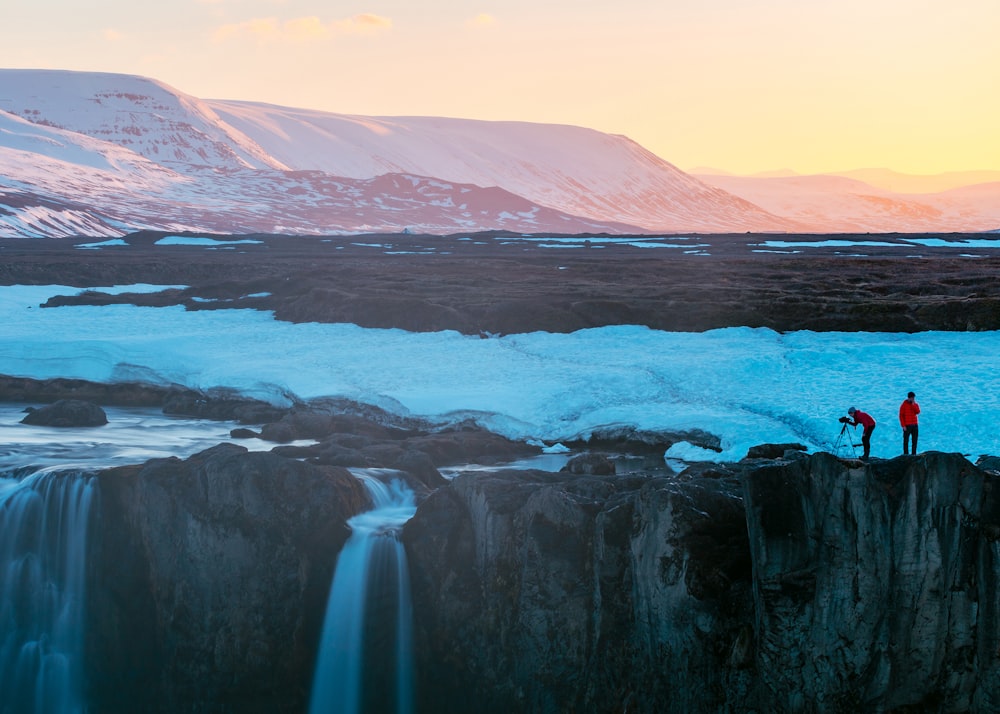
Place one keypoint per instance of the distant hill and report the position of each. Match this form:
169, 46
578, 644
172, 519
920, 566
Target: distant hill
840, 203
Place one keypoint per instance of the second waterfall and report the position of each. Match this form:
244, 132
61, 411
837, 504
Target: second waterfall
365, 660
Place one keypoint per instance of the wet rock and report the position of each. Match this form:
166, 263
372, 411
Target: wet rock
590, 464
773, 451
220, 405
315, 423
989, 463
828, 586
209, 581
628, 439
876, 586
67, 413
558, 592
23, 389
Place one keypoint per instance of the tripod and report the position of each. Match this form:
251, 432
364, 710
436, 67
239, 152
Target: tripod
840, 443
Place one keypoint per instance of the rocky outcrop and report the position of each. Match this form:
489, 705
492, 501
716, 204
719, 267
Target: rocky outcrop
590, 464
209, 578
774, 451
806, 584
553, 592
876, 587
67, 413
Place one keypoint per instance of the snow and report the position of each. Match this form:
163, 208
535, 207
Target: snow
204, 242
111, 243
748, 386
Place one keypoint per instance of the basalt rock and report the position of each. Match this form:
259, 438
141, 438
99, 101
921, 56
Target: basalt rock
67, 413
590, 464
353, 441
773, 451
807, 584
557, 592
208, 581
876, 587
628, 439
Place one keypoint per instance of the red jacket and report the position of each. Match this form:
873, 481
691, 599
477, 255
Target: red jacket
908, 413
863, 419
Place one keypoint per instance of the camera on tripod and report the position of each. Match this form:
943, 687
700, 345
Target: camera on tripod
844, 420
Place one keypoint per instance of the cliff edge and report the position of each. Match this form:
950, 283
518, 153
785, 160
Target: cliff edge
801, 584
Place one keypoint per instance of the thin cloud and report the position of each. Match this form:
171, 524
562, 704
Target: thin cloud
482, 20
111, 35
302, 29
363, 24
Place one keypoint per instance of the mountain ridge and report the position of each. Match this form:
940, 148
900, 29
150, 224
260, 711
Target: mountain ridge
96, 153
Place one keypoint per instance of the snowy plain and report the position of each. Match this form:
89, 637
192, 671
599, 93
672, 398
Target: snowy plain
748, 386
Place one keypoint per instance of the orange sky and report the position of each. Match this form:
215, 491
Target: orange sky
744, 86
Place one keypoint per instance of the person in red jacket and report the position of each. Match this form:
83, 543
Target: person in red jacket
859, 417
908, 411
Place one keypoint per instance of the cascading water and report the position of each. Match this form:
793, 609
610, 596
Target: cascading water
44, 519
365, 656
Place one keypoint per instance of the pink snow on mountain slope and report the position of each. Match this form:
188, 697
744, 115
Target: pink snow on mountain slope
569, 168
144, 115
840, 204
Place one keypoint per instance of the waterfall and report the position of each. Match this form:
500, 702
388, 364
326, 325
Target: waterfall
365, 656
44, 520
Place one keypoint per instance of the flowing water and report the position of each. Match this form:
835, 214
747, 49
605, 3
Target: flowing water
365, 657
44, 519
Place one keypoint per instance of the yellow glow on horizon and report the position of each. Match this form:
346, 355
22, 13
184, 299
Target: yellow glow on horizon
743, 87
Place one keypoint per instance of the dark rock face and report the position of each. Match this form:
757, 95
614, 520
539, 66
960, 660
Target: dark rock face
67, 413
22, 389
553, 592
863, 587
209, 579
876, 588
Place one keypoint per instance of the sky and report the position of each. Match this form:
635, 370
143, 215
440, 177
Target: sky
758, 387
743, 86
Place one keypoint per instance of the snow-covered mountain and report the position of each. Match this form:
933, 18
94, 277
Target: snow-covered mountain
86, 153
576, 170
96, 153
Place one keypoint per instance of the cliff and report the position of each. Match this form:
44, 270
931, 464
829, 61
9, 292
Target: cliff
791, 584
806, 584
552, 592
875, 587
208, 580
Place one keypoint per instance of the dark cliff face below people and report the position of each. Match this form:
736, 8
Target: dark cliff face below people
770, 584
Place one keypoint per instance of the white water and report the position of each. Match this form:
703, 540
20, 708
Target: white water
365, 655
44, 520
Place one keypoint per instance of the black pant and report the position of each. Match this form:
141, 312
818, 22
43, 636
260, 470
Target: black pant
866, 440
908, 431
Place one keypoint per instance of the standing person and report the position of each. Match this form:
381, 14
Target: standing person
908, 411
859, 417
